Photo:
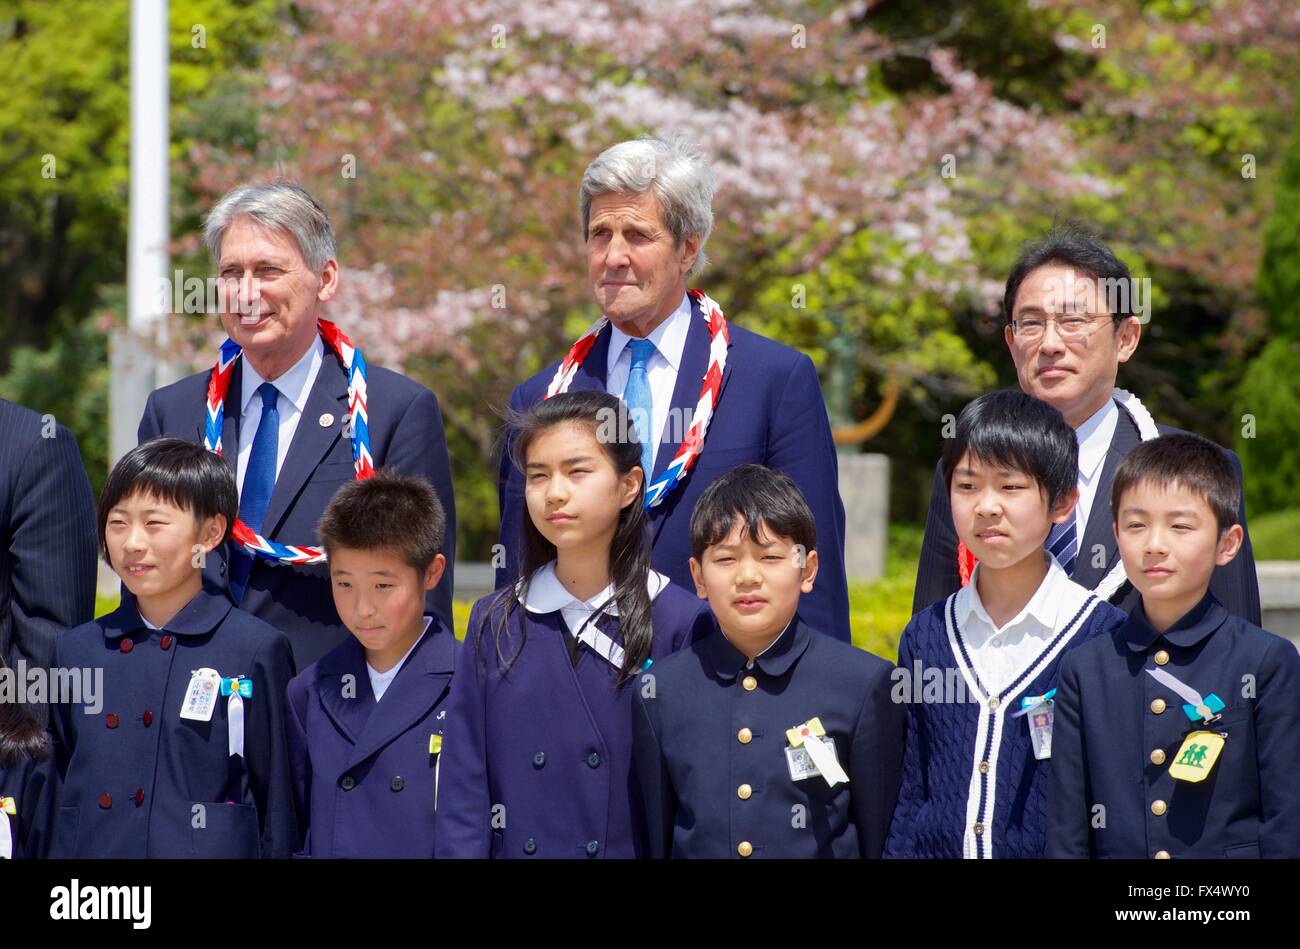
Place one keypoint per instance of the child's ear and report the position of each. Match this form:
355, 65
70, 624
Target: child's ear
435, 572
1060, 513
211, 532
631, 485
697, 574
809, 571
1230, 542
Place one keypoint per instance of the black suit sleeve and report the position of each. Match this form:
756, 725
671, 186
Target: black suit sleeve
419, 447
267, 751
936, 571
652, 775
510, 494
1068, 833
1236, 585
876, 762
51, 545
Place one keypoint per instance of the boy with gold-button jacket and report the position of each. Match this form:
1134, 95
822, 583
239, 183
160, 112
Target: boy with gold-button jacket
768, 739
139, 778
1179, 734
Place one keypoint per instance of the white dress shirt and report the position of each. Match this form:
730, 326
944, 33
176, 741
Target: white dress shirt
1094, 438
1000, 653
380, 681
669, 338
294, 387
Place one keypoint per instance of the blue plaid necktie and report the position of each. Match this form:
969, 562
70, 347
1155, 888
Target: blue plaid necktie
1062, 544
640, 405
259, 482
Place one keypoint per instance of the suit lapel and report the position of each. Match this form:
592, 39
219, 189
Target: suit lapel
591, 374
311, 442
349, 712
419, 685
686, 395
1099, 529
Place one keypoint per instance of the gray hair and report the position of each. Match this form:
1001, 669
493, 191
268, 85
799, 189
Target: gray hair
674, 167
281, 207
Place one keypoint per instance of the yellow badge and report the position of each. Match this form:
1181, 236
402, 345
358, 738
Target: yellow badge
435, 744
8, 805
1197, 756
811, 727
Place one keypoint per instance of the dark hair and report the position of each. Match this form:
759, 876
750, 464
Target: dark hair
1193, 462
389, 511
761, 497
21, 736
1071, 245
629, 554
1013, 430
176, 471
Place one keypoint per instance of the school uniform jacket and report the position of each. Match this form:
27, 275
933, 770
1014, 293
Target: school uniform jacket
538, 757
139, 780
366, 773
29, 788
971, 785
1118, 730
1236, 585
710, 750
770, 412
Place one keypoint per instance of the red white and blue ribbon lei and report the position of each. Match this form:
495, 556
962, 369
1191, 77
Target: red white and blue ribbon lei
354, 365
693, 442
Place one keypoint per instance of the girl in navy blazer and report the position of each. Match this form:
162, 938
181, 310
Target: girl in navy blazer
538, 743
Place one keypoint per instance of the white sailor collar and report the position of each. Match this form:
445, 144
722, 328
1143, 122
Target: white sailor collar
546, 594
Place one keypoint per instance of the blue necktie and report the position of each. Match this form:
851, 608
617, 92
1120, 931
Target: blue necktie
639, 403
259, 482
1062, 544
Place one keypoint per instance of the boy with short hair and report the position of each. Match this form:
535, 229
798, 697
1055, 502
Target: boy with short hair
366, 719
1179, 734
183, 754
770, 739
974, 770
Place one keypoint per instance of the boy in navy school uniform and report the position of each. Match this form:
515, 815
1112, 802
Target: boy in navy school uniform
1178, 735
979, 670
366, 719
769, 740
184, 754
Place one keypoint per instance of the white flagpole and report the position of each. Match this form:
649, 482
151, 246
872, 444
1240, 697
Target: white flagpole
132, 365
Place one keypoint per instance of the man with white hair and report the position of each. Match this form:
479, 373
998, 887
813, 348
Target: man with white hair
292, 406
705, 394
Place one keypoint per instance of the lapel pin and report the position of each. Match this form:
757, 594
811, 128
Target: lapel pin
326, 420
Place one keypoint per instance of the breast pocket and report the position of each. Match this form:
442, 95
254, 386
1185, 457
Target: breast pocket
224, 830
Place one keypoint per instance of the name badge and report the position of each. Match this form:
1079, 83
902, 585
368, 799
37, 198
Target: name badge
1040, 710
801, 763
1197, 756
201, 695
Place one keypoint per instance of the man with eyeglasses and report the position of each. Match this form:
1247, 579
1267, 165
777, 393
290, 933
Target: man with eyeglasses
1070, 305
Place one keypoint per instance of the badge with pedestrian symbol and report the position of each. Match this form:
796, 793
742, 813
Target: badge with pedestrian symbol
1197, 757
811, 753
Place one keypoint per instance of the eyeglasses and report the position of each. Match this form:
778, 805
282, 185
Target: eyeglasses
1072, 326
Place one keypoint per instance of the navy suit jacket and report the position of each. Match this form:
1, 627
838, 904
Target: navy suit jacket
34, 786
136, 776
693, 754
47, 538
538, 758
405, 433
365, 773
770, 412
1112, 748
1236, 585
